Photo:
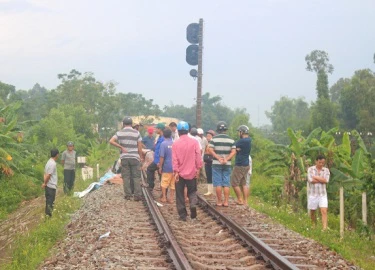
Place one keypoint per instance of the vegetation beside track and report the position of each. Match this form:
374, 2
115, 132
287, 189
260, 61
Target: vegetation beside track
356, 246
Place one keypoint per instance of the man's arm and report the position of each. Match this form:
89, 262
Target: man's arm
46, 178
175, 164
198, 161
113, 141
140, 153
324, 179
311, 177
229, 157
213, 153
63, 158
161, 162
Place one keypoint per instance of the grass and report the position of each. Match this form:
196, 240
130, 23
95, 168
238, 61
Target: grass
354, 247
30, 250
14, 190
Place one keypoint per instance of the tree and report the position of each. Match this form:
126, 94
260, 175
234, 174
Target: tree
6, 90
318, 62
36, 102
289, 113
323, 114
336, 89
357, 102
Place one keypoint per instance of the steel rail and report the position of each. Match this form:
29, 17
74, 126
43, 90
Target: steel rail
174, 250
265, 251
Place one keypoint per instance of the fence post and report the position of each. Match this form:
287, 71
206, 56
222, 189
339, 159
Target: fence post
97, 172
364, 208
307, 201
342, 212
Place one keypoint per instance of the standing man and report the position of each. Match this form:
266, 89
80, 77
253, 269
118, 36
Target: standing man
242, 165
187, 160
165, 168
68, 160
318, 177
204, 143
129, 141
154, 166
222, 148
50, 181
173, 127
207, 158
149, 140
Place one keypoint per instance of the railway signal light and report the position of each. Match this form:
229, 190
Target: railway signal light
192, 55
192, 33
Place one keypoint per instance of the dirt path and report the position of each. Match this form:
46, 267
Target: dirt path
20, 222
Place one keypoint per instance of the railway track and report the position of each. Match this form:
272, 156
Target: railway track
144, 235
214, 241
303, 253
133, 242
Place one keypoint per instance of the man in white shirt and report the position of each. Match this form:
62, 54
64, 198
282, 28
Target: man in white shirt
318, 177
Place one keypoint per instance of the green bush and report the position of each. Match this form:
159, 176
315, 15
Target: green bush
16, 189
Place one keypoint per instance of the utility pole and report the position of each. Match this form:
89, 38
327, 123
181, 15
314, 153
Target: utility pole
199, 82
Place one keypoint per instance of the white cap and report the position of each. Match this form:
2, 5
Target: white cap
200, 131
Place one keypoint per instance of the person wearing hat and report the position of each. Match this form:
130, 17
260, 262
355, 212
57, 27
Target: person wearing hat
149, 140
242, 165
154, 166
186, 162
207, 158
222, 148
129, 141
68, 160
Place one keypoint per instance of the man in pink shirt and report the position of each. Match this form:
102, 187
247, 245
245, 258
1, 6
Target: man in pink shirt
186, 160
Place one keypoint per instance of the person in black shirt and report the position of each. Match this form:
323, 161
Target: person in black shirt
241, 167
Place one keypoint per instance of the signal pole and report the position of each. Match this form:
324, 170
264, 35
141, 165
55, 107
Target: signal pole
199, 82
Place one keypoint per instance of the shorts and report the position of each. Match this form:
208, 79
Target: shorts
167, 180
317, 201
221, 176
238, 177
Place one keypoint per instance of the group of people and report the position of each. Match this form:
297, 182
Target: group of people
182, 155
50, 178
180, 151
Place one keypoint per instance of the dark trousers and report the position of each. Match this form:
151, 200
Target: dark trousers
192, 195
208, 167
151, 174
131, 175
69, 178
50, 200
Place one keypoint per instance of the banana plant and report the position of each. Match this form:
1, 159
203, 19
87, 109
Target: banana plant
10, 140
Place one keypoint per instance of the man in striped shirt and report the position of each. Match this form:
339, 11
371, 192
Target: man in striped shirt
318, 177
222, 148
130, 143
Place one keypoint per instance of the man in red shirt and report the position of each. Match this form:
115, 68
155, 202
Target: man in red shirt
186, 161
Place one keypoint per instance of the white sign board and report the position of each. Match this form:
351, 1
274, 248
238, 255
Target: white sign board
87, 173
81, 160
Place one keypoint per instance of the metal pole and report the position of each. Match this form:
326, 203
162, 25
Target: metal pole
341, 212
364, 208
199, 83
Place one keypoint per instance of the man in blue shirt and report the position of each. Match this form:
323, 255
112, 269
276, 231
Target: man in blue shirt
149, 140
154, 166
165, 168
241, 167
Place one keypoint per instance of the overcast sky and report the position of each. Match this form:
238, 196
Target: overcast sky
254, 50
